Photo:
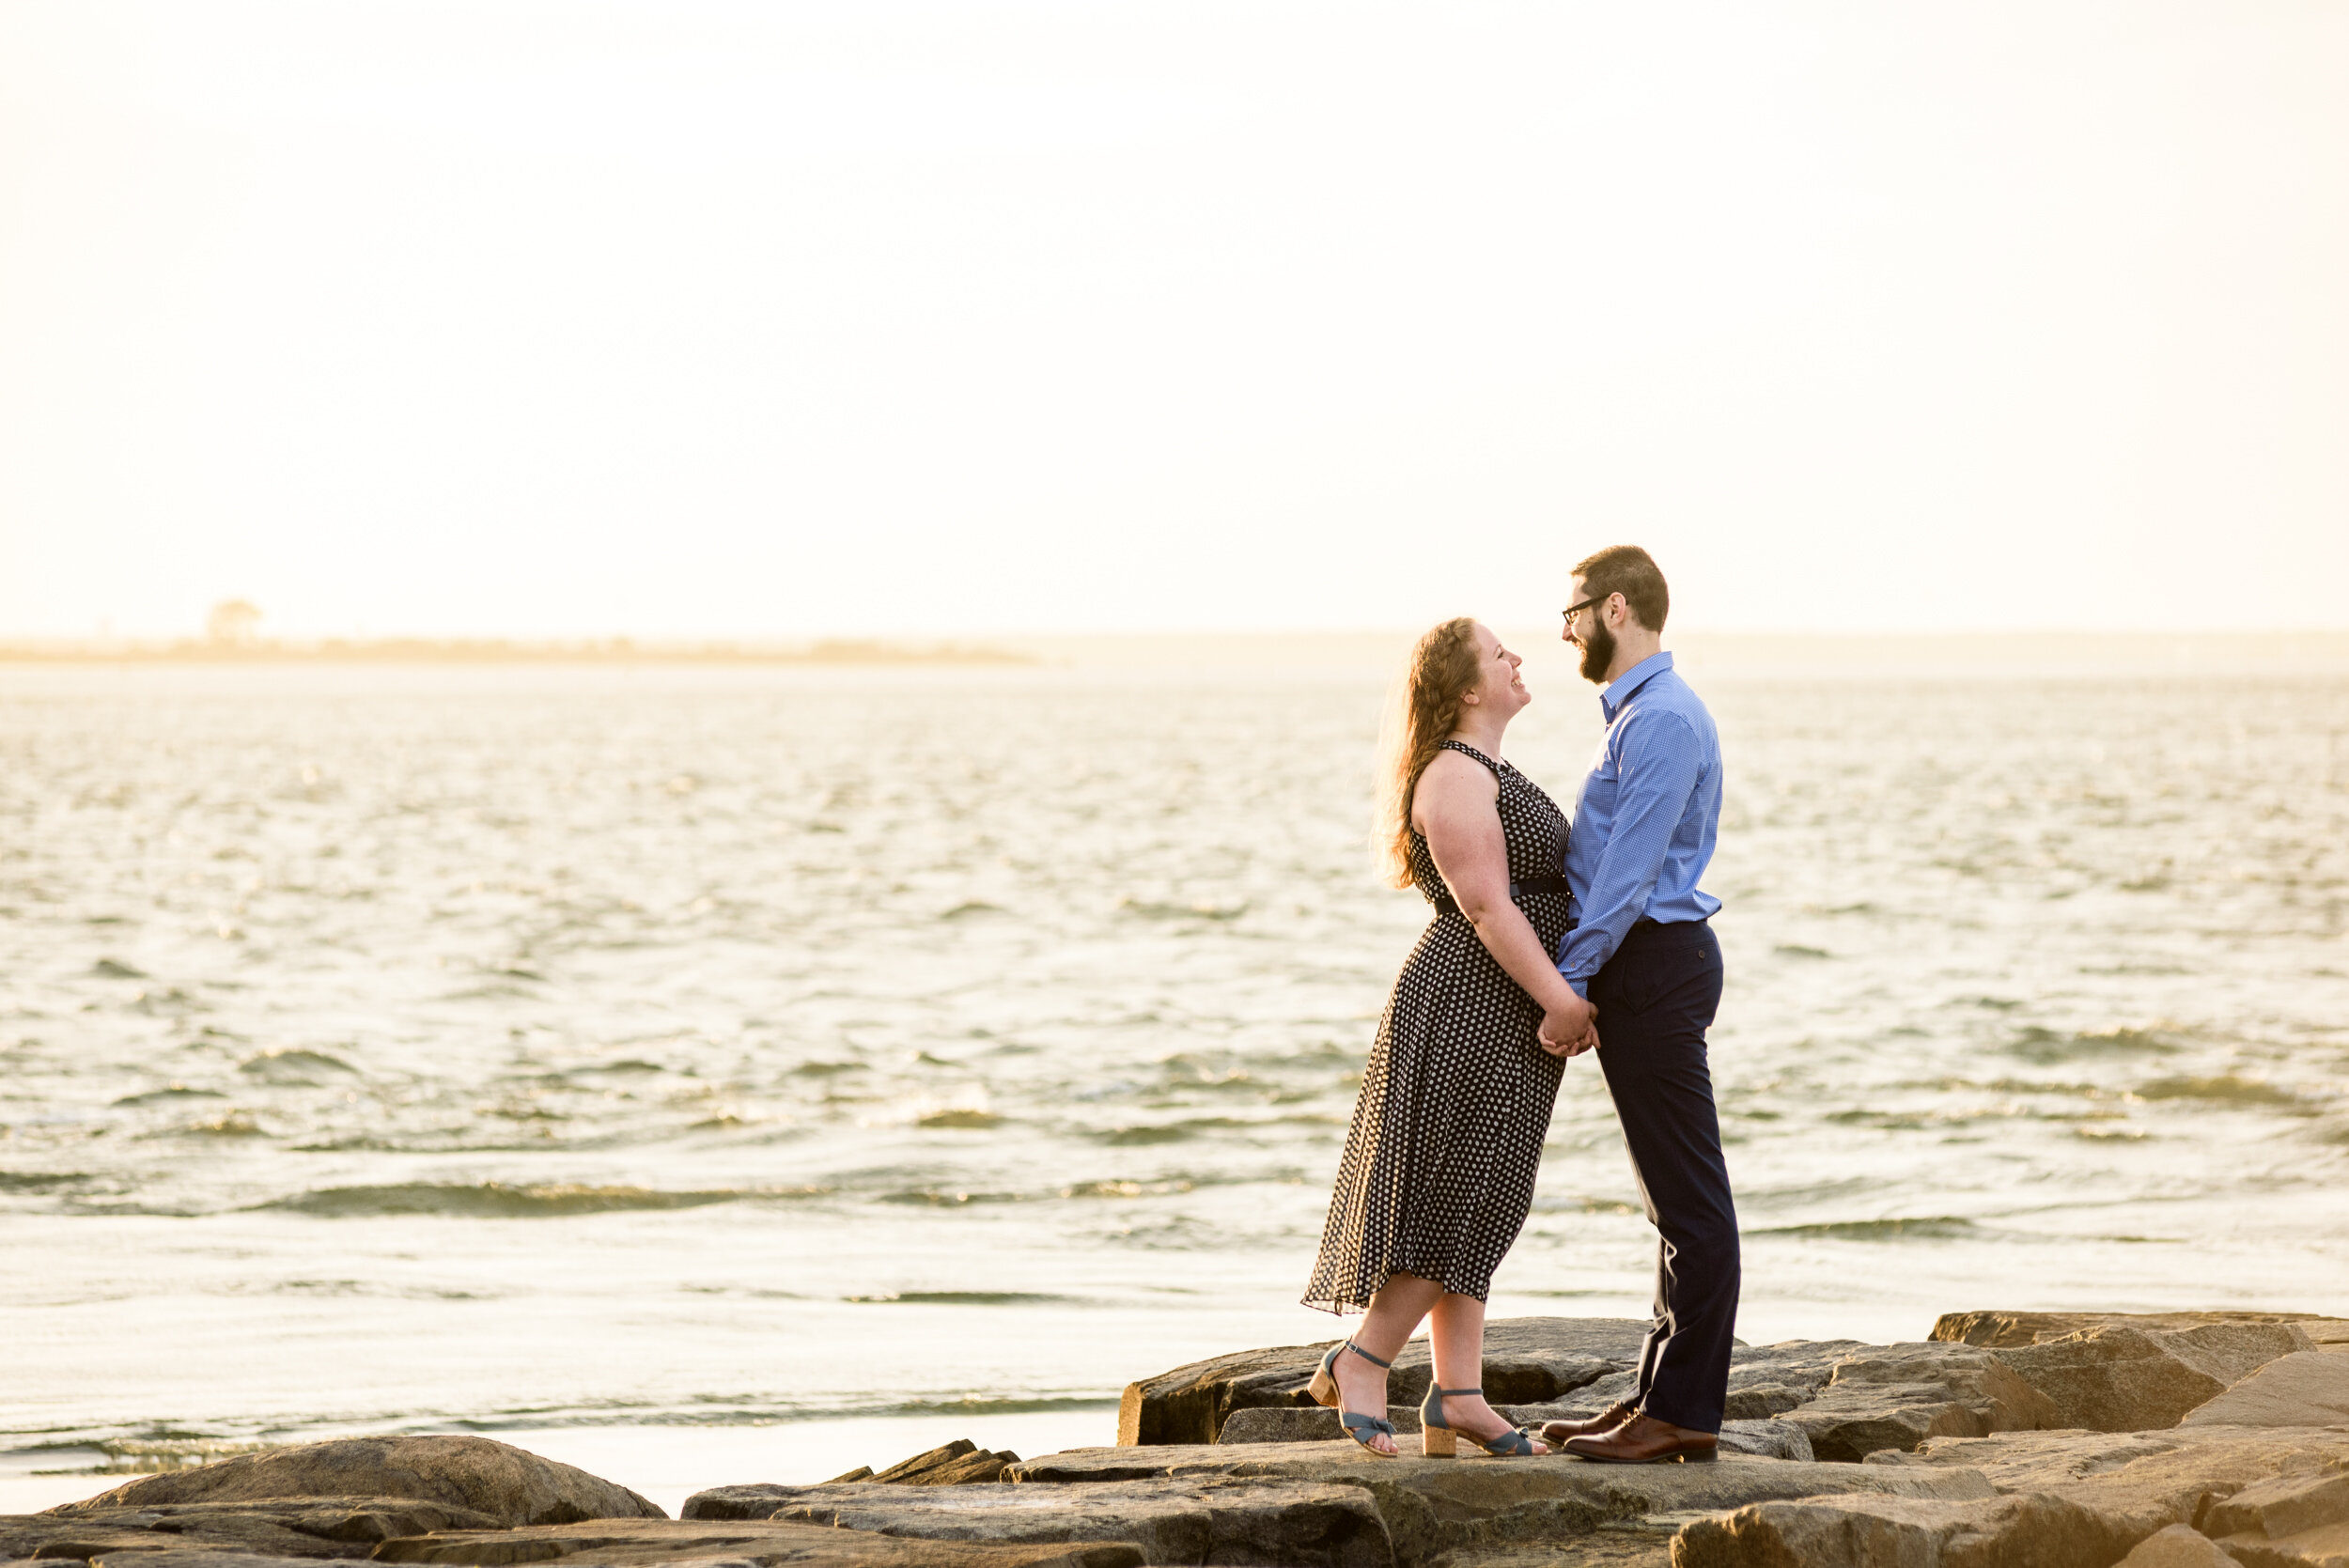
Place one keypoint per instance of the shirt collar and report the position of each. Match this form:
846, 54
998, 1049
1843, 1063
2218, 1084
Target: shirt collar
1619, 690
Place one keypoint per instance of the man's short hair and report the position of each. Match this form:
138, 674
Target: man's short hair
1629, 570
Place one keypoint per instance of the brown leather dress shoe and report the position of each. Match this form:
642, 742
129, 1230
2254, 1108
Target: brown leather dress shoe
1555, 1432
1646, 1440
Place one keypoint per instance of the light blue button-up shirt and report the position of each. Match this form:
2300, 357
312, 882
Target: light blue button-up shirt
1645, 818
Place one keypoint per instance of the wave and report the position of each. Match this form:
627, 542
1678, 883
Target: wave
2225, 1087
2045, 1048
964, 1298
1151, 909
295, 1069
235, 1124
1933, 1228
499, 1201
932, 1198
966, 1119
164, 1096
39, 1181
1147, 1134
618, 1413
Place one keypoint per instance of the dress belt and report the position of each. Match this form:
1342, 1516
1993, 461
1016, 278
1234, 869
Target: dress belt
1446, 905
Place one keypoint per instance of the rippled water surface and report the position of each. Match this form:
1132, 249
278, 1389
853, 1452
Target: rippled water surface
527, 1047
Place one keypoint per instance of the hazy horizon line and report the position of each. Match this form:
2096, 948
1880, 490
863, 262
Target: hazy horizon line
2316, 650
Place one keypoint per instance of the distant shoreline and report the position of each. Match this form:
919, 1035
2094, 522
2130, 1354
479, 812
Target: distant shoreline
1799, 655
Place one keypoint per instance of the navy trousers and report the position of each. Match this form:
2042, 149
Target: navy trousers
1656, 998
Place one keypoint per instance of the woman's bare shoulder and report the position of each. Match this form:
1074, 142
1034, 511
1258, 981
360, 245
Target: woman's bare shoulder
1455, 775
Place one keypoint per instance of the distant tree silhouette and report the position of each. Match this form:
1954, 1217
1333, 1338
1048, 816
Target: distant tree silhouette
233, 622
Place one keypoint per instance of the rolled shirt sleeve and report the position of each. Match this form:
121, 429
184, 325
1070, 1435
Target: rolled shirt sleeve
1660, 763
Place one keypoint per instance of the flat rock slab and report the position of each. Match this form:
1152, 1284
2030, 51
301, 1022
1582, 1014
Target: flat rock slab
1433, 1506
1630, 1546
507, 1485
2325, 1546
1527, 1361
2223, 1459
760, 1543
1309, 1524
1313, 1423
47, 1536
305, 1527
2135, 1484
186, 1557
2002, 1330
2029, 1530
2309, 1389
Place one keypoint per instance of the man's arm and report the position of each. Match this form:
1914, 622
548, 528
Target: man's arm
1661, 763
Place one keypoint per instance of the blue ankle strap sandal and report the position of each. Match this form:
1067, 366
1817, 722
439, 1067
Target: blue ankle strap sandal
1324, 1390
1440, 1441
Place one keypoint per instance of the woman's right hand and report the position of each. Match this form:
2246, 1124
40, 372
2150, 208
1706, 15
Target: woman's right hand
1570, 1027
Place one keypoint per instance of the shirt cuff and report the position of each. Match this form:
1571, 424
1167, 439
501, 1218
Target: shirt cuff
1582, 987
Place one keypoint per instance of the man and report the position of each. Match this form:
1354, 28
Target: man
1641, 951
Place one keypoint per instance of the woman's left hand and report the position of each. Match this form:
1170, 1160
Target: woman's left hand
1570, 1027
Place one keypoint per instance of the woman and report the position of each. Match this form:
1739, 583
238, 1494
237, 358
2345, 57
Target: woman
1455, 1101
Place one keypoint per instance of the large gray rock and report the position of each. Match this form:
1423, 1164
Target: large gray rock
763, 1543
2230, 1352
2006, 1330
2114, 1379
1767, 1439
507, 1483
1433, 1506
2311, 1389
1527, 1361
2029, 1530
1310, 1523
2178, 1546
1896, 1396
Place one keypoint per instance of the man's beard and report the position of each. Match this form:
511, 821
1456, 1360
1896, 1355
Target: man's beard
1598, 651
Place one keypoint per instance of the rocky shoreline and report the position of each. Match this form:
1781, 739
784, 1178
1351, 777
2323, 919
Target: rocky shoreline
2002, 1440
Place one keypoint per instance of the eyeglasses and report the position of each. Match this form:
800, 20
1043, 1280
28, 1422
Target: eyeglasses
1574, 609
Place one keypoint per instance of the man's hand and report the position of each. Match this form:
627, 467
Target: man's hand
1570, 1027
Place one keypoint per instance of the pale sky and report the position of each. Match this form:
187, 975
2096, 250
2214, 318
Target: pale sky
775, 320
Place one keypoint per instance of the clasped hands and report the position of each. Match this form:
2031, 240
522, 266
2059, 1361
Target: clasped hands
1570, 1027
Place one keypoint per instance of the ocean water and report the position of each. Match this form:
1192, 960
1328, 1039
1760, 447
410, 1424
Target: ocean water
733, 1075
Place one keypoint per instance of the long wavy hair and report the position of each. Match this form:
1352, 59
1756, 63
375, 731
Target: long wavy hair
1421, 711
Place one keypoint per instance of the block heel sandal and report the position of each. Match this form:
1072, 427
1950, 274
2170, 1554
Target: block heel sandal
1440, 1440
1324, 1390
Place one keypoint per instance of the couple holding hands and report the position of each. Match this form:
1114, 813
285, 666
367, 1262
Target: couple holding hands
1547, 942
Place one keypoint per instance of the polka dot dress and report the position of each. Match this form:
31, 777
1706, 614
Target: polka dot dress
1447, 1138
